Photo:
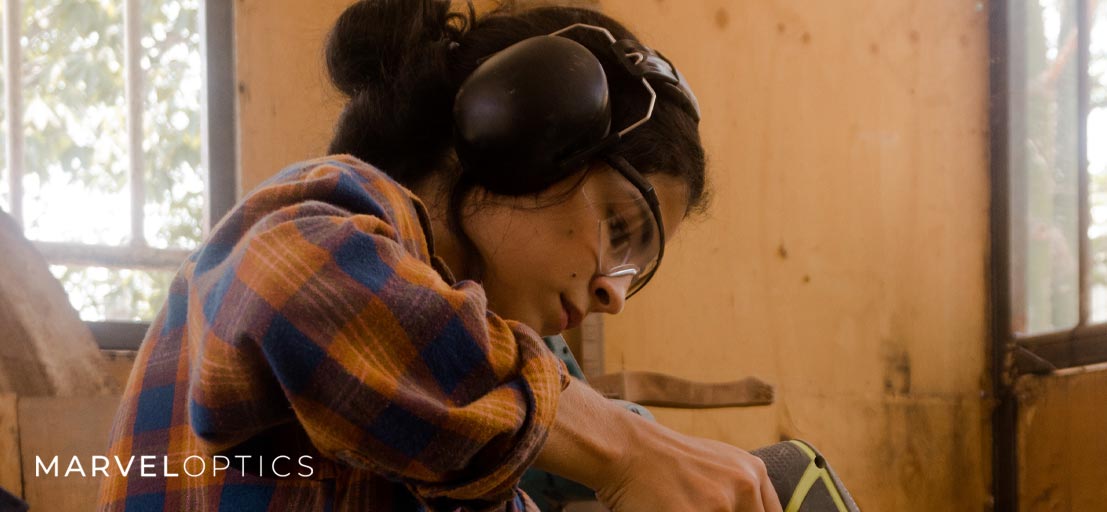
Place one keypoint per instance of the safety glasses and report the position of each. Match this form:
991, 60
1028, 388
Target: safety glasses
631, 233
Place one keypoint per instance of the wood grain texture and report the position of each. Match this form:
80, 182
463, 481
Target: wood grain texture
656, 389
1060, 441
10, 471
119, 365
285, 103
287, 107
63, 427
844, 257
843, 260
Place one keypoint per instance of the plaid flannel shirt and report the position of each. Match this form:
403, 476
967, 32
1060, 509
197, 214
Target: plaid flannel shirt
315, 322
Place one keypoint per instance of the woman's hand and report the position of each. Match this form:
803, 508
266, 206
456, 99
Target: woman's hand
668, 470
638, 465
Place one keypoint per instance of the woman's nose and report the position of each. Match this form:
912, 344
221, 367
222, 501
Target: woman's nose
609, 294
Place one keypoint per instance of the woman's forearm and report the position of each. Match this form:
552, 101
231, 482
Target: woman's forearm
589, 436
635, 464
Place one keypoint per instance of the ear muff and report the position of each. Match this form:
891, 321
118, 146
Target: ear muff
641, 61
537, 111
525, 108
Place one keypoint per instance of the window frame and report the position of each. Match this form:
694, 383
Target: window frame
218, 151
1086, 343
1011, 354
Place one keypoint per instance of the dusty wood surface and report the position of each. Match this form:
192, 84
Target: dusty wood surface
844, 256
1060, 440
287, 107
118, 364
842, 259
10, 472
63, 427
46, 349
656, 389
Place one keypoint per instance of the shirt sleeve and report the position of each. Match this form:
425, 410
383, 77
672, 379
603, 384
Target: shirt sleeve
327, 318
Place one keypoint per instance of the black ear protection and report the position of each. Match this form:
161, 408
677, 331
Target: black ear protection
535, 112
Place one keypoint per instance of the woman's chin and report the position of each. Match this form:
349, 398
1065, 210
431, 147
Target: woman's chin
546, 329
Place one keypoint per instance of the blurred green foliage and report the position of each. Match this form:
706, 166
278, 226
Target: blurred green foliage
75, 125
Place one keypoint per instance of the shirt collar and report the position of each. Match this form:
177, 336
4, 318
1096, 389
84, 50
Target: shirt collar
437, 263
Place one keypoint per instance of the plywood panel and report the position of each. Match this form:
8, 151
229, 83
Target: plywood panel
844, 257
63, 427
286, 106
1060, 441
844, 260
10, 473
119, 365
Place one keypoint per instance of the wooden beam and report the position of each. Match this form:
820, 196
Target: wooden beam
10, 473
64, 428
656, 389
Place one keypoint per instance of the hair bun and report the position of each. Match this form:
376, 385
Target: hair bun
374, 40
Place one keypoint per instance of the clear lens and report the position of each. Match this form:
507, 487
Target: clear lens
629, 238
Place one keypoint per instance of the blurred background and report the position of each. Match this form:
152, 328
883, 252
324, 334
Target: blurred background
908, 238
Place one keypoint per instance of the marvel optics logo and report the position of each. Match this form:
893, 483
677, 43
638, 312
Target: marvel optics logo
193, 466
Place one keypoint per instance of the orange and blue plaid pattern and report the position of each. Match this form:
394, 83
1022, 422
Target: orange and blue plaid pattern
316, 322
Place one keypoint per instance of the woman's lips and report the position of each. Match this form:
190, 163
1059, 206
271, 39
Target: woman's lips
570, 316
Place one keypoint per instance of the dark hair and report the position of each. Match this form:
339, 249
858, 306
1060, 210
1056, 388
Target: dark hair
401, 62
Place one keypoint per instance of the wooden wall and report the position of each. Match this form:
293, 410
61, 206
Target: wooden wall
844, 260
1060, 440
845, 257
286, 106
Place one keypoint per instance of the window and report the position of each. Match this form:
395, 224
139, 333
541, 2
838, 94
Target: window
1048, 262
118, 144
1053, 179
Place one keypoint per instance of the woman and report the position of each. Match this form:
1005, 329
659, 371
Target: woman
362, 331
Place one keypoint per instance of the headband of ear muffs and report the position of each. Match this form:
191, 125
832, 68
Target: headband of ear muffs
535, 112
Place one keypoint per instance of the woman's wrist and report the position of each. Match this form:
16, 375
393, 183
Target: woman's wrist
590, 437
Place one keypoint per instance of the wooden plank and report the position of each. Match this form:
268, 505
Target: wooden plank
591, 346
1061, 422
119, 364
63, 427
844, 257
286, 106
47, 350
656, 389
11, 478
